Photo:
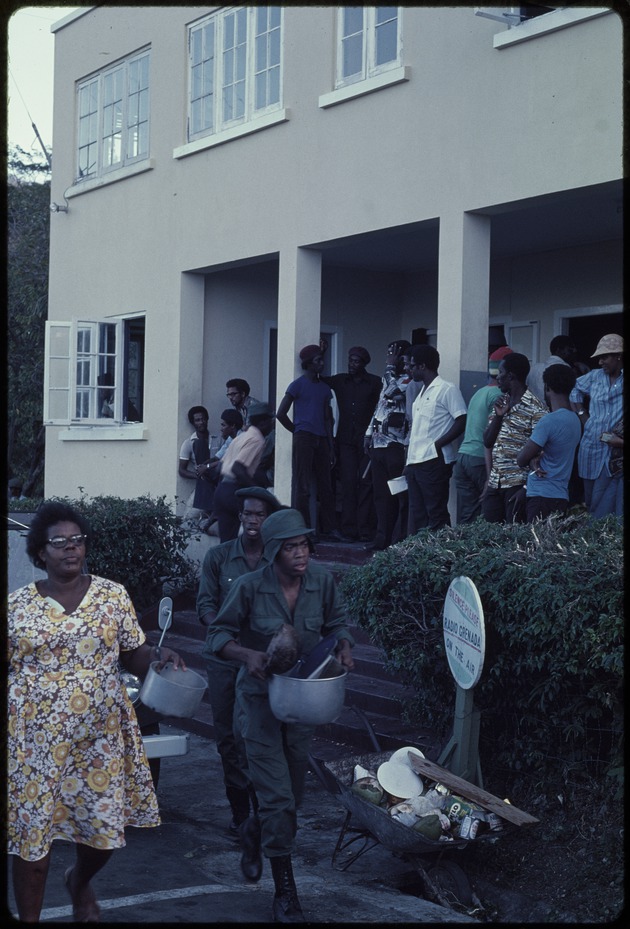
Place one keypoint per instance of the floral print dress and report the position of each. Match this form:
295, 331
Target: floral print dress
77, 768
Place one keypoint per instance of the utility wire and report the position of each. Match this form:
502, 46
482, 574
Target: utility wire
35, 129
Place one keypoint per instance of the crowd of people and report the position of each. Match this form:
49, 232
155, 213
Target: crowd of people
386, 461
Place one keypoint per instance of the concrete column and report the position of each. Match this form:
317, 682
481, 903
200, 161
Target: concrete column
299, 310
463, 299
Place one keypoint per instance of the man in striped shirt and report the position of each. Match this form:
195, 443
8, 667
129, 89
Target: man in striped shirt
516, 412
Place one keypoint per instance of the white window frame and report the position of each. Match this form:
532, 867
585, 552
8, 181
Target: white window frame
131, 122
71, 372
245, 69
370, 26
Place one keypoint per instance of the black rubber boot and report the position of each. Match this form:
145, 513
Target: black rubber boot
251, 858
238, 798
286, 905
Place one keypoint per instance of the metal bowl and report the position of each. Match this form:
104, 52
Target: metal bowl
173, 691
310, 702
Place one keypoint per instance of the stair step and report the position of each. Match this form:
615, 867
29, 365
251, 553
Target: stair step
186, 622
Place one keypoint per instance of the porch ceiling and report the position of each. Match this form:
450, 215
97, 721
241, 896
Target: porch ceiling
564, 220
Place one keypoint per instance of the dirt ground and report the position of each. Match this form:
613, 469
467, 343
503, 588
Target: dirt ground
572, 860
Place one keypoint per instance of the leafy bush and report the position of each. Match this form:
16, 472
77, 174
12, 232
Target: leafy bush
550, 693
139, 543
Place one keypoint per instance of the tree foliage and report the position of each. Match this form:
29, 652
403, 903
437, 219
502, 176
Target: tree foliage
551, 690
28, 218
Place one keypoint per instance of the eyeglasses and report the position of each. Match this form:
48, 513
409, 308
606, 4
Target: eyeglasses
61, 541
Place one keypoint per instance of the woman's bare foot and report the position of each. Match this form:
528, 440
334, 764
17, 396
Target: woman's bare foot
85, 908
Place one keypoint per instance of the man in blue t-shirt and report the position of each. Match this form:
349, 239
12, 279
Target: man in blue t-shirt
313, 452
550, 450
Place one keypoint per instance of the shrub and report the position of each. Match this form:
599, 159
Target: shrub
550, 692
139, 543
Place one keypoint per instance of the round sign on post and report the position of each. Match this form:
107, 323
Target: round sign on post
464, 632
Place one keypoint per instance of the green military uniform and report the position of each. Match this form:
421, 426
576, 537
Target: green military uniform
277, 753
222, 566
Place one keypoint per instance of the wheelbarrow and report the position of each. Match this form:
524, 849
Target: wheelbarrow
366, 825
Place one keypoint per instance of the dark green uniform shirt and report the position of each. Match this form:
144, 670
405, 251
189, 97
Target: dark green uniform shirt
256, 607
222, 565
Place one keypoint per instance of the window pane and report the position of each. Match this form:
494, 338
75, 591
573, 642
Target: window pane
261, 52
386, 42
274, 47
352, 55
352, 20
274, 17
261, 90
274, 86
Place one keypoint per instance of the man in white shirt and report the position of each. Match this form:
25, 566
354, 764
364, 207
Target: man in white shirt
563, 352
438, 419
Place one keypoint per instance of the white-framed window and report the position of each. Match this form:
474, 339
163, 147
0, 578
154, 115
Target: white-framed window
94, 371
369, 42
113, 117
235, 68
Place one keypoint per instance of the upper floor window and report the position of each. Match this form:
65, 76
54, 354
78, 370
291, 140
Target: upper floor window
113, 117
369, 40
94, 371
235, 68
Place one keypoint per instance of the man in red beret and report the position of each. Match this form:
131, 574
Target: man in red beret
357, 394
313, 452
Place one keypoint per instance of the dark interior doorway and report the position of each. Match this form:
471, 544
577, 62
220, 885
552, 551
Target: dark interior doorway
586, 331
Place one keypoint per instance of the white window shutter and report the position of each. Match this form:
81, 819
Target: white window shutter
58, 391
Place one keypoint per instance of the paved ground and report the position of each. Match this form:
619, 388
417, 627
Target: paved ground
187, 870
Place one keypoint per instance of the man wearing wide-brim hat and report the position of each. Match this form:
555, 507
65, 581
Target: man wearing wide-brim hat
602, 421
293, 592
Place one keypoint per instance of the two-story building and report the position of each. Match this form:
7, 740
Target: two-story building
231, 183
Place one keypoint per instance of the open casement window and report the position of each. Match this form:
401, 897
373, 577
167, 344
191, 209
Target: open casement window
235, 68
369, 42
94, 372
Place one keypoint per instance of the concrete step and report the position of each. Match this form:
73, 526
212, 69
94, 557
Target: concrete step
186, 623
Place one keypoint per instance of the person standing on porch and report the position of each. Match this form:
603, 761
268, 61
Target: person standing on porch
604, 389
313, 451
357, 394
386, 443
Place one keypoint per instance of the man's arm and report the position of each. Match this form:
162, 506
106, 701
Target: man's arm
453, 433
183, 470
529, 451
283, 409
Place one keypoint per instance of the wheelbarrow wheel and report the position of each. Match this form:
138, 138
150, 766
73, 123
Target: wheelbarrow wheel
451, 882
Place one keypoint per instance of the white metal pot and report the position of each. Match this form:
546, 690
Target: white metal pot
173, 691
311, 702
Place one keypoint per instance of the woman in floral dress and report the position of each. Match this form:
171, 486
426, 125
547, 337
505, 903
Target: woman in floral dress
77, 769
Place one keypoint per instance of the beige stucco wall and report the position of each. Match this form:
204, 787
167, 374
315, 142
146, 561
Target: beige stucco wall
473, 127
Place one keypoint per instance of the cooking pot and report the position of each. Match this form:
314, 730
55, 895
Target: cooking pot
311, 702
172, 691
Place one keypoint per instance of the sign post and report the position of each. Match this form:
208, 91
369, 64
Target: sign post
465, 644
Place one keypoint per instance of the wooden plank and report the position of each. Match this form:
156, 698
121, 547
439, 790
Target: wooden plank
469, 791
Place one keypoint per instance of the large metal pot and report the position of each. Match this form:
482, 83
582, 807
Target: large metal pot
173, 691
311, 702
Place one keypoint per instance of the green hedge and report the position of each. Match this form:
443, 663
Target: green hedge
551, 690
139, 543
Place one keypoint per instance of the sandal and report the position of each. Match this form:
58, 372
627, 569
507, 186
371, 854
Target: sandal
89, 911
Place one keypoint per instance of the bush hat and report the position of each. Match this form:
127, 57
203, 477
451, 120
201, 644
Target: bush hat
609, 345
363, 353
282, 525
260, 409
259, 493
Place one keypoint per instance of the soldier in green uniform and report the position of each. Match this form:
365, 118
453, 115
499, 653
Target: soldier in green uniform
221, 566
289, 590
